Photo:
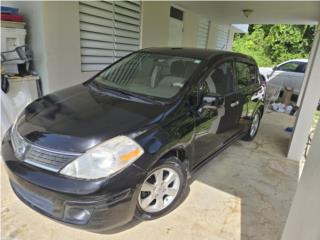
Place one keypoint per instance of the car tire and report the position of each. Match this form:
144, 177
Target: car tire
254, 127
173, 168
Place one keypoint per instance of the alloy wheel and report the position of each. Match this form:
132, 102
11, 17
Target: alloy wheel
254, 125
159, 190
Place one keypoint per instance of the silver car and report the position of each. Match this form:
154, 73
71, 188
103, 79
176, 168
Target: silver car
288, 74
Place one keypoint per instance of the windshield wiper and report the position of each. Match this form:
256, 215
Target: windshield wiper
134, 95
124, 92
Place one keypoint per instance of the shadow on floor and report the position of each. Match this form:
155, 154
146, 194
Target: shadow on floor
260, 176
259, 180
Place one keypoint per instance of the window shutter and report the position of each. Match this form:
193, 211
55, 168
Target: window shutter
203, 32
222, 32
108, 31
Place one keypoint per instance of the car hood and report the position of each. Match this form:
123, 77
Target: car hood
78, 118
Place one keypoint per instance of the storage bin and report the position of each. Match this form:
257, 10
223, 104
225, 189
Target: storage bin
10, 10
10, 39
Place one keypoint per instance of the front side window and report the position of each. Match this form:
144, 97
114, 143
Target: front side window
246, 74
289, 67
149, 74
221, 79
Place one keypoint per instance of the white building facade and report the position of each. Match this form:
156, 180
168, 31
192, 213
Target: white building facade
71, 41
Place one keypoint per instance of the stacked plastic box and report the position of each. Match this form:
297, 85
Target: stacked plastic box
13, 35
18, 88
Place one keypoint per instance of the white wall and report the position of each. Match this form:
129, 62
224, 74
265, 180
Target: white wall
220, 37
191, 24
155, 28
61, 29
155, 24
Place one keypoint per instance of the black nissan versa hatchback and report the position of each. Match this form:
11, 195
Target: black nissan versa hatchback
123, 144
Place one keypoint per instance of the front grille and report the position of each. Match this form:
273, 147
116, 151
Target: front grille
50, 160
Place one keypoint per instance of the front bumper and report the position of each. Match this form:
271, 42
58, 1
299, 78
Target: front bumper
95, 205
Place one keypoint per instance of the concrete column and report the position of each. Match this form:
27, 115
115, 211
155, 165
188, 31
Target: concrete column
304, 83
303, 219
309, 102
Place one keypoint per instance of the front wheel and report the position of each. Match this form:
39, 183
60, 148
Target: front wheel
253, 130
162, 190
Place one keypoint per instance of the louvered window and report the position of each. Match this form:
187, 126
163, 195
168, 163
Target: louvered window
108, 31
203, 32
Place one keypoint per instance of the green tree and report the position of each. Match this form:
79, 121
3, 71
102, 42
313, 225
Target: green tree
273, 44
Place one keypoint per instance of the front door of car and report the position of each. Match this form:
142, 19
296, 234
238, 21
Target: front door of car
247, 87
295, 77
215, 125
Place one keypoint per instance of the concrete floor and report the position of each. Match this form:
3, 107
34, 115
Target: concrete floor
245, 193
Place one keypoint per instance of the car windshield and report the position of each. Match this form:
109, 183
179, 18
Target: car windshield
149, 74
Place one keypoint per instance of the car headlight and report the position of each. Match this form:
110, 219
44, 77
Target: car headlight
18, 143
105, 159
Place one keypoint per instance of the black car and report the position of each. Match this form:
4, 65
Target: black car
123, 144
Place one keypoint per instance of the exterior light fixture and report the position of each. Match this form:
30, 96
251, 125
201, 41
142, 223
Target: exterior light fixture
247, 12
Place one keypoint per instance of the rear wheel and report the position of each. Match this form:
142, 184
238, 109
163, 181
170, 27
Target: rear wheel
162, 190
253, 130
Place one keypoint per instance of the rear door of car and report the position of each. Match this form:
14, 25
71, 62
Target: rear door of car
247, 87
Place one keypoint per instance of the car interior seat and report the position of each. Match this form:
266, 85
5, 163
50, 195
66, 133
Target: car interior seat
220, 81
176, 77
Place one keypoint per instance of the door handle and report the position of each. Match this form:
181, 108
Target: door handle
234, 104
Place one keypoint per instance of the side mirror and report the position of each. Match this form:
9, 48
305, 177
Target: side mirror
212, 101
274, 68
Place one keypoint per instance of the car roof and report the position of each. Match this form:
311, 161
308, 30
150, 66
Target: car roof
199, 53
296, 60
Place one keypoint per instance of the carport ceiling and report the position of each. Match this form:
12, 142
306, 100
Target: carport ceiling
272, 12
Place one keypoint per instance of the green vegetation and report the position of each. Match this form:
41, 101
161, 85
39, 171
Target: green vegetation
316, 119
273, 44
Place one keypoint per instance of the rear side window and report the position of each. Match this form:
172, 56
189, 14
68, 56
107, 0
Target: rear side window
246, 74
221, 79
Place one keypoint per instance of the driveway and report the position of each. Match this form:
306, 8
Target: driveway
245, 193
